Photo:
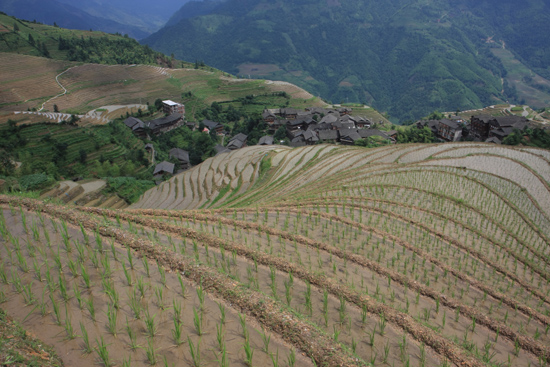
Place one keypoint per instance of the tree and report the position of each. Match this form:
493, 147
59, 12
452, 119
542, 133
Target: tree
6, 165
83, 155
15, 27
158, 104
280, 134
55, 108
31, 40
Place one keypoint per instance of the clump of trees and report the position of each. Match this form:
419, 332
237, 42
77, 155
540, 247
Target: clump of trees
105, 50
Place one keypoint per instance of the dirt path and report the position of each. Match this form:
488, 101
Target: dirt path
59, 95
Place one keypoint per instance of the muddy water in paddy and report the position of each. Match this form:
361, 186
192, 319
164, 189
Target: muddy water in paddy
45, 327
348, 324
452, 326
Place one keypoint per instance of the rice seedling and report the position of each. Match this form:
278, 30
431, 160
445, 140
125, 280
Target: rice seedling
386, 352
177, 331
176, 306
159, 296
249, 352
200, 295
85, 339
222, 358
73, 268
56, 311
128, 275
99, 242
43, 305
222, 313
291, 359
372, 337
111, 320
68, 325
382, 324
135, 304
37, 271
28, 295
182, 286
85, 276
265, 341
275, 358
106, 263
22, 261
141, 286
84, 234
130, 258
3, 275
197, 322
146, 266
288, 292
94, 259
162, 274
90, 307
113, 250
150, 352
150, 324
103, 352
195, 352
220, 336
132, 336
127, 362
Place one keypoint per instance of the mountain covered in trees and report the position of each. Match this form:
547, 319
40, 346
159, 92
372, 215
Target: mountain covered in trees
36, 39
405, 57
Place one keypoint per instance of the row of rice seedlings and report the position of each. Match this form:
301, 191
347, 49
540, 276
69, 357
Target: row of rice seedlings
273, 287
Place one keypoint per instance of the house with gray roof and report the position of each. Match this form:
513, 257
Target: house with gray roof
163, 168
182, 156
266, 140
237, 142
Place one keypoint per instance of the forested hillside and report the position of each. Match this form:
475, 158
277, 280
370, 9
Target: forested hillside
36, 39
405, 58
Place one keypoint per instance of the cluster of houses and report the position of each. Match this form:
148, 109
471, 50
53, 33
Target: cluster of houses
174, 118
319, 125
482, 128
314, 125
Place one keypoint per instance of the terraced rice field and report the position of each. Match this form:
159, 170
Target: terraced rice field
28, 81
406, 255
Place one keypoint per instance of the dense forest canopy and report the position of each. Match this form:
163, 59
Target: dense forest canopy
401, 57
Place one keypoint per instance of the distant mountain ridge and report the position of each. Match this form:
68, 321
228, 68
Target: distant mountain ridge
137, 18
405, 58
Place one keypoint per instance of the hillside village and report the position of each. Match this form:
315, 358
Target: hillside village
316, 125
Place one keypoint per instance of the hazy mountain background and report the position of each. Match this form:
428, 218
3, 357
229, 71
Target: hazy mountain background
405, 57
137, 18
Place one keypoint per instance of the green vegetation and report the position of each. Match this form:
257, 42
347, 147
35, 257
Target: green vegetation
407, 59
531, 137
19, 348
65, 150
128, 188
37, 39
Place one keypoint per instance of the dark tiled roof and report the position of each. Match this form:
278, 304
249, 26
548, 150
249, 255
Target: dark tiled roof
452, 124
266, 140
240, 136
179, 154
164, 120
210, 124
328, 134
132, 121
164, 167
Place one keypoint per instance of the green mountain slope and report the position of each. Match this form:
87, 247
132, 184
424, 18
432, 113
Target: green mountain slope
36, 39
408, 58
